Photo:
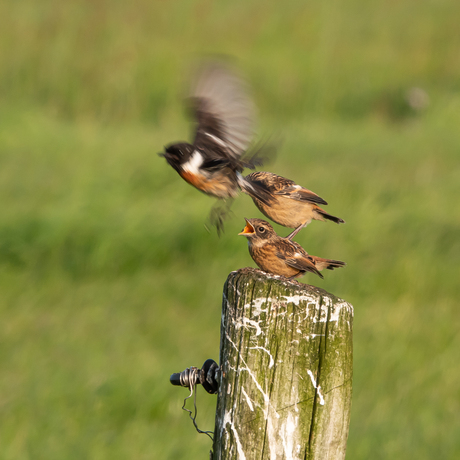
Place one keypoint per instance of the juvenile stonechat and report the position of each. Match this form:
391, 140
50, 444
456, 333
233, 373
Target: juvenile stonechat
289, 204
281, 256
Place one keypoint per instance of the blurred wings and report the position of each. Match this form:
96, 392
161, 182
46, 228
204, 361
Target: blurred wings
223, 110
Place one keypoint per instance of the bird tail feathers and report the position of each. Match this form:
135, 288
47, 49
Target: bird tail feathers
327, 216
330, 264
254, 189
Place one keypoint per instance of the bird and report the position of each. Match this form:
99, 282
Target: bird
289, 204
281, 256
224, 129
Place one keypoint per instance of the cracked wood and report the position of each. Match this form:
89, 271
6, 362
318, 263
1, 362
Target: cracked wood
286, 360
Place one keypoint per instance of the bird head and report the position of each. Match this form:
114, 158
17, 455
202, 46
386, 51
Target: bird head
257, 229
177, 154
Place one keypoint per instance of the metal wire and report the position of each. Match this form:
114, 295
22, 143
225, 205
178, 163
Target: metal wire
189, 378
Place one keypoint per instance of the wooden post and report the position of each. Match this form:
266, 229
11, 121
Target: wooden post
286, 356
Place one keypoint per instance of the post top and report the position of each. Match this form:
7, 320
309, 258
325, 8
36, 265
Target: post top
271, 280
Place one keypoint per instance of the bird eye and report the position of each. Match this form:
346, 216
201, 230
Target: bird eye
261, 229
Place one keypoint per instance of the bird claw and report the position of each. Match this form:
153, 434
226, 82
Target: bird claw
220, 212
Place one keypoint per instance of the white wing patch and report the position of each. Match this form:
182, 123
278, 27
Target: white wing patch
217, 140
193, 165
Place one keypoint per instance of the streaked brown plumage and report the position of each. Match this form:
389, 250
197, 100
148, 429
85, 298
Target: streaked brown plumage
289, 204
281, 256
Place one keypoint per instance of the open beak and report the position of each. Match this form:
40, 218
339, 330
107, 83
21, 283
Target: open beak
248, 230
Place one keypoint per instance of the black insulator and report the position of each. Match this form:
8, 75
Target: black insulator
208, 377
175, 379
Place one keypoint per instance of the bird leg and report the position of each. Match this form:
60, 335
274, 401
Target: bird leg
219, 213
297, 230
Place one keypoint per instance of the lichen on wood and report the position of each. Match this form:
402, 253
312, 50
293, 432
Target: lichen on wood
286, 370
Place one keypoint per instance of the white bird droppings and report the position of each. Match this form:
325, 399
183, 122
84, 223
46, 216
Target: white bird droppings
318, 387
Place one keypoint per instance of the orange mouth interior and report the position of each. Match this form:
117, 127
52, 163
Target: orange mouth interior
248, 230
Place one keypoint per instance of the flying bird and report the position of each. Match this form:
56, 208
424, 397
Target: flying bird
224, 129
281, 256
289, 204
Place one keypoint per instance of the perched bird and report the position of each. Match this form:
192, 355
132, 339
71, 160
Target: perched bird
281, 256
224, 116
289, 204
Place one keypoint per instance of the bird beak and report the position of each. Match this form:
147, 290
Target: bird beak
248, 230
164, 153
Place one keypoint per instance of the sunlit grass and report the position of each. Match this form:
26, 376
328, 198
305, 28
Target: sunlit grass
119, 60
109, 280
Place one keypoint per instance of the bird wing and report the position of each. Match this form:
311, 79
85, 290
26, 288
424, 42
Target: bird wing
295, 256
223, 111
271, 182
281, 186
296, 192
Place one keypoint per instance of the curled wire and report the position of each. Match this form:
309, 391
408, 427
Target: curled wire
189, 378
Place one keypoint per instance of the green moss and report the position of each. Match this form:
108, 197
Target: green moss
286, 360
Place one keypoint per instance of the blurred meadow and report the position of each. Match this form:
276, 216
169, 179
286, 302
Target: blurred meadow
109, 281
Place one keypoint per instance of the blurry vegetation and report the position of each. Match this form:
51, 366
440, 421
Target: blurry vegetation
110, 281
124, 61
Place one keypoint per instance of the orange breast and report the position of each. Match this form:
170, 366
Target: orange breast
267, 260
193, 179
218, 185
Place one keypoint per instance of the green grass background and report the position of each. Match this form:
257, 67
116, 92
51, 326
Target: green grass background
109, 281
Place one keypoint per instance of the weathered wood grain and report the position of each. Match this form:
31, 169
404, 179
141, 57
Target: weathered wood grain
286, 358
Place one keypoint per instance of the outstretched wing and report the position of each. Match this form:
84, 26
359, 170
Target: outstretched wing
223, 111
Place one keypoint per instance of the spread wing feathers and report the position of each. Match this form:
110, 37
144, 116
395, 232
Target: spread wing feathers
223, 111
215, 164
296, 257
259, 153
278, 185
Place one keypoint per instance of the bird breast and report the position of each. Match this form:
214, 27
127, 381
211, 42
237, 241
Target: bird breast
267, 260
218, 184
286, 211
